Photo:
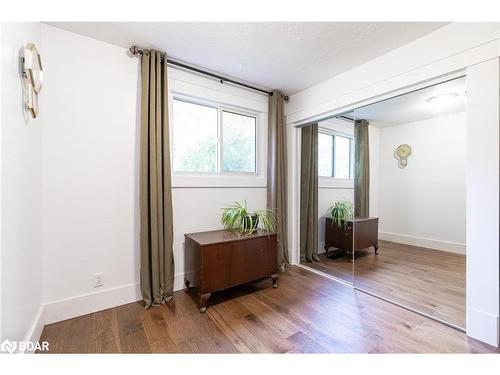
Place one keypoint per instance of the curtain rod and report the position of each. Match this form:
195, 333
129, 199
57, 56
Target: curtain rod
346, 118
139, 51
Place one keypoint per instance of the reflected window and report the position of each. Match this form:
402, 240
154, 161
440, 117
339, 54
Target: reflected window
325, 155
334, 156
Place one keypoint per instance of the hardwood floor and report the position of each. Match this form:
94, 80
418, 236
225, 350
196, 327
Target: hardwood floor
307, 313
429, 281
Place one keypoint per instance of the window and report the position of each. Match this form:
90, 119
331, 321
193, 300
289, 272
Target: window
210, 139
238, 134
334, 156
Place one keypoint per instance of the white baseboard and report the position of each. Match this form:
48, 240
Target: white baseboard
68, 308
483, 326
72, 307
321, 247
180, 277
178, 281
35, 331
294, 256
452, 247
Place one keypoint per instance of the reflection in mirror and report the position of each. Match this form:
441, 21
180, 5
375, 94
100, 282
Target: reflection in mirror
410, 176
327, 196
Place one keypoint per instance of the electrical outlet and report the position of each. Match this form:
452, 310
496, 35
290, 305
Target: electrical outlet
98, 281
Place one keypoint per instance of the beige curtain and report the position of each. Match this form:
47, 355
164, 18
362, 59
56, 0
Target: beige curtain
309, 194
361, 169
277, 173
156, 230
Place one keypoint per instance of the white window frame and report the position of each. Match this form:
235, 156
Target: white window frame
332, 181
199, 90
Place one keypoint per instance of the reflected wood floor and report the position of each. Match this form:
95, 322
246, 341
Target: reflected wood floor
339, 267
307, 313
427, 280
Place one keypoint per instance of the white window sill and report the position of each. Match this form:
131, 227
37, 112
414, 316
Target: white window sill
238, 180
332, 183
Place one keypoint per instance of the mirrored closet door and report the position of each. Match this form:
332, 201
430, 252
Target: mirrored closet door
327, 197
410, 200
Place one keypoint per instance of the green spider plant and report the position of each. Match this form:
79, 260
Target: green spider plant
236, 217
341, 211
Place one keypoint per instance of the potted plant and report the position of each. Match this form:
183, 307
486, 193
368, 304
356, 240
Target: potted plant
236, 217
341, 211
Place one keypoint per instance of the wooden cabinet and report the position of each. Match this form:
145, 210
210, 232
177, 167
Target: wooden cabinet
222, 259
364, 234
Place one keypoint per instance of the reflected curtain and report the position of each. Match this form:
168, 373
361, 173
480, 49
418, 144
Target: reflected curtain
156, 228
277, 173
309, 194
361, 169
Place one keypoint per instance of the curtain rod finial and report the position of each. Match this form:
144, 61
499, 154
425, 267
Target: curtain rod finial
134, 50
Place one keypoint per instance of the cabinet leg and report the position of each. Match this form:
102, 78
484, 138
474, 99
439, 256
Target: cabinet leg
376, 249
275, 280
187, 284
203, 302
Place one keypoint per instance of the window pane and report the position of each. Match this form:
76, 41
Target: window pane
238, 135
325, 154
195, 137
342, 156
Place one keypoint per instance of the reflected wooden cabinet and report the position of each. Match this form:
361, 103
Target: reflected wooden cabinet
345, 238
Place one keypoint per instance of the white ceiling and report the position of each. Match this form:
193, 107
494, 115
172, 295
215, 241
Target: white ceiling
290, 56
447, 98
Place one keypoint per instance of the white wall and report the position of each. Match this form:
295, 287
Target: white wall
21, 253
89, 169
445, 53
90, 166
483, 257
424, 203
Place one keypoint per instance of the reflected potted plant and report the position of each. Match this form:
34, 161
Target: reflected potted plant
341, 212
338, 233
236, 217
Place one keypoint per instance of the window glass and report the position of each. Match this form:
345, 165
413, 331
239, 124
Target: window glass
342, 156
195, 129
325, 155
238, 137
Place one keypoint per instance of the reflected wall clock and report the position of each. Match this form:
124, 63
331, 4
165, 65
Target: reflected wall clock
401, 153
